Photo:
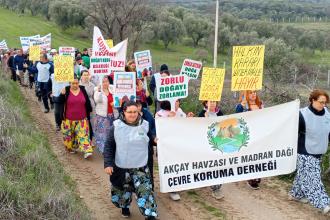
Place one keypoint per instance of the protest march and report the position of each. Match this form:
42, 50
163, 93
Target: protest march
104, 103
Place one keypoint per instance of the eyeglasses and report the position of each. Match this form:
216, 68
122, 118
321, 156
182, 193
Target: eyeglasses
322, 102
131, 112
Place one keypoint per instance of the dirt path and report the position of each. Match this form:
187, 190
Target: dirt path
240, 202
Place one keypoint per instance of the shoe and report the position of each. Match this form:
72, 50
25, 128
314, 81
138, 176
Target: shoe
58, 128
253, 185
86, 155
150, 218
175, 196
46, 110
39, 98
125, 212
326, 209
51, 105
302, 200
217, 194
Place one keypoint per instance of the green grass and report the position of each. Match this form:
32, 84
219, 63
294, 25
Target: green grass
12, 26
33, 184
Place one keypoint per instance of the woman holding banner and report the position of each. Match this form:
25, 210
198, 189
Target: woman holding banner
313, 141
104, 112
250, 101
125, 160
211, 110
75, 126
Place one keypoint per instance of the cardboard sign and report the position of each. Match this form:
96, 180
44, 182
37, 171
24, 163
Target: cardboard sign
34, 53
247, 67
143, 63
191, 68
110, 43
124, 87
104, 59
212, 84
63, 68
67, 51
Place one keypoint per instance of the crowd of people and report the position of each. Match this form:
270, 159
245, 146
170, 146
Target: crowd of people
84, 113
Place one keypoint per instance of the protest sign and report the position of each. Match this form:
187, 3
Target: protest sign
212, 151
104, 59
191, 68
34, 53
110, 43
143, 63
44, 42
247, 67
172, 88
3, 45
63, 68
124, 87
25, 42
212, 84
67, 51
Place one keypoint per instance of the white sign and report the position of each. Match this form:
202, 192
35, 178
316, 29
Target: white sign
67, 51
44, 42
25, 42
104, 59
211, 151
143, 63
191, 68
3, 45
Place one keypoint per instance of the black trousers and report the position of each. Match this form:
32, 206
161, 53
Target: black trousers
13, 74
58, 111
45, 91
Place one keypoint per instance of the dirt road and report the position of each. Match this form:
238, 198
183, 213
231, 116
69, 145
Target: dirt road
240, 202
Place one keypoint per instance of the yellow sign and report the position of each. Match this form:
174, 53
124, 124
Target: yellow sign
212, 84
63, 68
34, 53
110, 43
247, 67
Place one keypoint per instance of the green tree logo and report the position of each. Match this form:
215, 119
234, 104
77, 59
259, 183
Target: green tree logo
229, 135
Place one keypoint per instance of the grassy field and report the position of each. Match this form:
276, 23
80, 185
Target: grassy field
33, 184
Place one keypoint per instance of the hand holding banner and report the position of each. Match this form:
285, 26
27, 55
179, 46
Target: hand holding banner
212, 84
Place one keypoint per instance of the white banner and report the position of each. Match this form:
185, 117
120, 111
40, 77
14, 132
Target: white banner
200, 152
3, 45
67, 51
104, 59
25, 42
44, 42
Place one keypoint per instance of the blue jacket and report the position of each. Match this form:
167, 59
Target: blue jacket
19, 61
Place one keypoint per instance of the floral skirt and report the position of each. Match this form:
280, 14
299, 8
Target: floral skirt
101, 129
76, 135
138, 181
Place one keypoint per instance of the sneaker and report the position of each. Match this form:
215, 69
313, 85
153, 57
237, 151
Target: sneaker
217, 194
175, 196
326, 209
253, 185
292, 198
125, 212
87, 155
58, 128
46, 110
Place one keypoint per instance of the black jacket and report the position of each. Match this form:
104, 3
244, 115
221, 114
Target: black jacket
64, 99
